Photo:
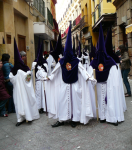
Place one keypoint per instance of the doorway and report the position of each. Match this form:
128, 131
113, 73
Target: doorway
22, 44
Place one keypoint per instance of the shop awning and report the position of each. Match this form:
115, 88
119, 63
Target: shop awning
129, 29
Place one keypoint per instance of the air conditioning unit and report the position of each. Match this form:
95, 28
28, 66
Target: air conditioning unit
124, 19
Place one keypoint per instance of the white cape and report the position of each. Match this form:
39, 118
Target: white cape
112, 111
70, 99
24, 96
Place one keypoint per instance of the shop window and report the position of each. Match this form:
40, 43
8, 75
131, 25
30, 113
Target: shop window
8, 37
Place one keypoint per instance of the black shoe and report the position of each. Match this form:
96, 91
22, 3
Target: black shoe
57, 124
19, 123
73, 124
115, 124
102, 121
29, 122
41, 111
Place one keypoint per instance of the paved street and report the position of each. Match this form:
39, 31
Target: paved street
40, 136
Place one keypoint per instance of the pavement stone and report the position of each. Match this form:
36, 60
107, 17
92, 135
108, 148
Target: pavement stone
41, 136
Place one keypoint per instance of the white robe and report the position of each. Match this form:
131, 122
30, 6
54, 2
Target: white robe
121, 89
40, 87
70, 99
24, 97
51, 64
113, 110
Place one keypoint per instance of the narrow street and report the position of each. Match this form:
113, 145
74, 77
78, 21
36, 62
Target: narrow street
41, 136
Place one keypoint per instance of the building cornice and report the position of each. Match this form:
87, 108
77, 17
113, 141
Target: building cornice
118, 3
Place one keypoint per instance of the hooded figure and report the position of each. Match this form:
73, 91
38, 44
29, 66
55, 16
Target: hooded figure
41, 70
108, 45
23, 92
51, 47
93, 52
71, 92
54, 56
109, 98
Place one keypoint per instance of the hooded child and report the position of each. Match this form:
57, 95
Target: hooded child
23, 92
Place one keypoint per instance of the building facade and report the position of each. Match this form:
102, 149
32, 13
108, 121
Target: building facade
71, 11
26, 20
123, 31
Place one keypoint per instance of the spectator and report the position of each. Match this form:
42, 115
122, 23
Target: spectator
23, 56
6, 71
125, 68
3, 93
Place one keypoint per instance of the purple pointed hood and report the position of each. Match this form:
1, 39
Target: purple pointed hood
3, 41
109, 48
79, 50
38, 49
69, 75
51, 48
18, 63
93, 52
58, 49
102, 58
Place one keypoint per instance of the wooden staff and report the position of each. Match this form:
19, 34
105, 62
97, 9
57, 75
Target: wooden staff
34, 79
96, 99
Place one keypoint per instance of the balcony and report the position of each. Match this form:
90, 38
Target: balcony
49, 17
39, 8
77, 20
84, 22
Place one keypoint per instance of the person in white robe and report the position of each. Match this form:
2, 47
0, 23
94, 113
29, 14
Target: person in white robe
110, 105
71, 100
23, 92
109, 50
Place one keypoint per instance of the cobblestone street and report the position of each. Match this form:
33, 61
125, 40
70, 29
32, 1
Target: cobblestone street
41, 136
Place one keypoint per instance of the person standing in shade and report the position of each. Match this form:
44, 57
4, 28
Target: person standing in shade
23, 56
4, 96
125, 68
6, 71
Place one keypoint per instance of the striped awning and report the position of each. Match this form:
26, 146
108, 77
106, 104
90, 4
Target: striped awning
129, 29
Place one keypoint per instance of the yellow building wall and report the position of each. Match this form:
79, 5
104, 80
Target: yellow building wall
53, 9
18, 21
88, 12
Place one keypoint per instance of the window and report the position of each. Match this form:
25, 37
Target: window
108, 1
8, 39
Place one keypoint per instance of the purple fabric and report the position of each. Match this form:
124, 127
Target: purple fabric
93, 52
18, 63
70, 76
51, 48
79, 48
38, 49
3, 41
58, 50
109, 48
102, 58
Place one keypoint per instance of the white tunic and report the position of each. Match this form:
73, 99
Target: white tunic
24, 96
71, 101
40, 87
112, 111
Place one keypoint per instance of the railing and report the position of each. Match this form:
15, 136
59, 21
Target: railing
99, 10
40, 6
84, 21
49, 17
77, 20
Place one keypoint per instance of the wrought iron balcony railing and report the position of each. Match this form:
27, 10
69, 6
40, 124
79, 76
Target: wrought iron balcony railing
40, 6
84, 21
49, 17
99, 10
